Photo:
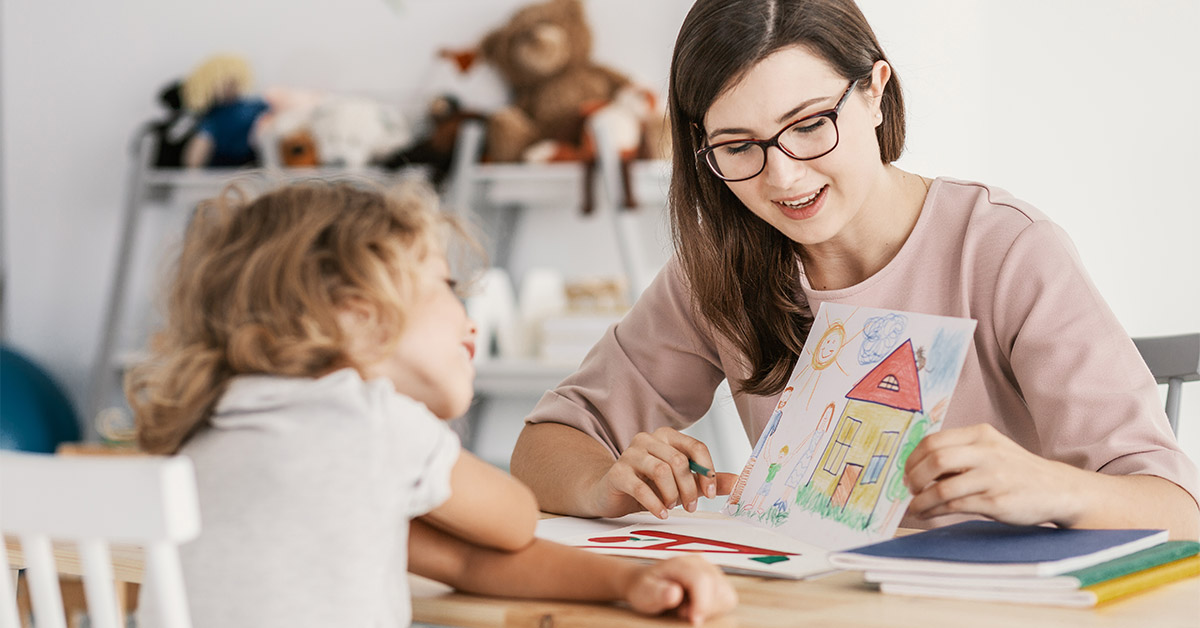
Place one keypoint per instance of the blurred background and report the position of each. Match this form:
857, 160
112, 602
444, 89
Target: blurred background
1086, 109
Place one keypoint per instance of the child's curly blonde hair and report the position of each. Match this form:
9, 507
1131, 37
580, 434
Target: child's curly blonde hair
258, 286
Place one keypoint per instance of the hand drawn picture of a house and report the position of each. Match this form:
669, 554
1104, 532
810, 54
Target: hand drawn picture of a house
879, 408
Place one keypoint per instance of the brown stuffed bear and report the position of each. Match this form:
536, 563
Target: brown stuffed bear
543, 53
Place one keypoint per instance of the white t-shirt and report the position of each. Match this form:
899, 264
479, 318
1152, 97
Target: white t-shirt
306, 490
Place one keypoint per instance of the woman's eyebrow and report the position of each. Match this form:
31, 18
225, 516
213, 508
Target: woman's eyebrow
787, 117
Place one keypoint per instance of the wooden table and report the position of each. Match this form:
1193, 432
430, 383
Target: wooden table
837, 600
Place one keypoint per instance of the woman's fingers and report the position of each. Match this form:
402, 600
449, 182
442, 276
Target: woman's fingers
938, 464
950, 490
697, 452
623, 479
656, 472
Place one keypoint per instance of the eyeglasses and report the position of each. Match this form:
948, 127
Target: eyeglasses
808, 138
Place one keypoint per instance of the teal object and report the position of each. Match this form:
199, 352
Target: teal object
35, 414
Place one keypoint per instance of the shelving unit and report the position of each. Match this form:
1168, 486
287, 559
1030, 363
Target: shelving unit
156, 207
495, 196
499, 196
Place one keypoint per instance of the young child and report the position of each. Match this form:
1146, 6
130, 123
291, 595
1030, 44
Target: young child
312, 344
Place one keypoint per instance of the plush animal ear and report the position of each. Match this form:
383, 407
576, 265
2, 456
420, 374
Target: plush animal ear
574, 8
492, 44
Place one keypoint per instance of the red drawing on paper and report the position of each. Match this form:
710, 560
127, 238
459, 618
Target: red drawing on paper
674, 542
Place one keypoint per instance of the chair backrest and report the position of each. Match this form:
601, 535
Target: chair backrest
1173, 360
92, 501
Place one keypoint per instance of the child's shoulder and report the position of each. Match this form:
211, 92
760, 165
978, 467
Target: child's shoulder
339, 400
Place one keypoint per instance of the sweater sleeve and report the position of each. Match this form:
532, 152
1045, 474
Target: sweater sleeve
1094, 403
657, 367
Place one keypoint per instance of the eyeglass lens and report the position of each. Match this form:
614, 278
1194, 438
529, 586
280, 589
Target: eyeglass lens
806, 139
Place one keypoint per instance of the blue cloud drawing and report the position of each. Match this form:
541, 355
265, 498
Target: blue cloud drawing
881, 334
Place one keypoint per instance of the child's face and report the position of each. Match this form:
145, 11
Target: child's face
432, 361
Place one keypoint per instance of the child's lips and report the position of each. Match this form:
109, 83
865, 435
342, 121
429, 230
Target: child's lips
470, 347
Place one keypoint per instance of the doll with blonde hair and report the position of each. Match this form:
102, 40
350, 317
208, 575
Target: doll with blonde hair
313, 347
217, 91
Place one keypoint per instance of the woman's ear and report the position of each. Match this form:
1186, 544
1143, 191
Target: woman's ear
881, 73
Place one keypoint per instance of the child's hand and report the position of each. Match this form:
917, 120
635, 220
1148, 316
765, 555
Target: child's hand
690, 584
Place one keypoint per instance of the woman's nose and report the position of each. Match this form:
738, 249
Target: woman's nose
782, 171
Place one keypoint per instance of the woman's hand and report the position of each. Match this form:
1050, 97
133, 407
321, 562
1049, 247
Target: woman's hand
653, 474
689, 584
977, 470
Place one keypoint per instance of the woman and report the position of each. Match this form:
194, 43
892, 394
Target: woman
1055, 417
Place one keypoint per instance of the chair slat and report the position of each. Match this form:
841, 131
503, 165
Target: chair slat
164, 576
8, 594
98, 584
42, 577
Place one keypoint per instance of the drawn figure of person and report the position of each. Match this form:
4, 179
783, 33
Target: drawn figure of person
765, 489
735, 495
810, 444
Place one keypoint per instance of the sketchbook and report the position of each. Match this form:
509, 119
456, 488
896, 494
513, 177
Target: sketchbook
868, 385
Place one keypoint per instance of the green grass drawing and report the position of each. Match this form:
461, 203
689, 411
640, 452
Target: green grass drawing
811, 500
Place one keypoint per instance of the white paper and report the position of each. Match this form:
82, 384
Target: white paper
867, 386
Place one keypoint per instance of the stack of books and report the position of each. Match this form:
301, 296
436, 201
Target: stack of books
986, 560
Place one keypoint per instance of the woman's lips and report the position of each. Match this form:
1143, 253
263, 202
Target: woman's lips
803, 207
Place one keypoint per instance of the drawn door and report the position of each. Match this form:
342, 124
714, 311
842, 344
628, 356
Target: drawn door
845, 484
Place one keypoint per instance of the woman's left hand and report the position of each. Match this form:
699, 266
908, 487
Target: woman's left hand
977, 470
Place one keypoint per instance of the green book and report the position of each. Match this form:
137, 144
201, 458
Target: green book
1138, 561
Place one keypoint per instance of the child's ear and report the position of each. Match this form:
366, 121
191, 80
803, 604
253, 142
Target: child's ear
358, 320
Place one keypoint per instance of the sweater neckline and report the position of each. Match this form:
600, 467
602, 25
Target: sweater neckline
911, 244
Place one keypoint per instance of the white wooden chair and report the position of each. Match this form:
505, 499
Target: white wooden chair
144, 501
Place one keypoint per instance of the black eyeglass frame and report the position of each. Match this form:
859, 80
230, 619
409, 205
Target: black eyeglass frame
704, 153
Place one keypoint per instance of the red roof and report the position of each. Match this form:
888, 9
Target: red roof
902, 388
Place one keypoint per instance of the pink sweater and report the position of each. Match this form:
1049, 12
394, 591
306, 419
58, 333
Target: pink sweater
1050, 366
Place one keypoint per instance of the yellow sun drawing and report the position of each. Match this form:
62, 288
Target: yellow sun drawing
828, 349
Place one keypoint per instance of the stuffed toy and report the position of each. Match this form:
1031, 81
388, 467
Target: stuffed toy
172, 132
298, 150
217, 92
283, 132
354, 132
560, 97
544, 55
436, 146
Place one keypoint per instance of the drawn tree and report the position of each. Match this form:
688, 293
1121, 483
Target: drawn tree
895, 490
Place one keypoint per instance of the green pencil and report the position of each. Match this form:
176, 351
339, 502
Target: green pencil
701, 469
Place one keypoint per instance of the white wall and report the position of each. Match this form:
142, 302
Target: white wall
1086, 109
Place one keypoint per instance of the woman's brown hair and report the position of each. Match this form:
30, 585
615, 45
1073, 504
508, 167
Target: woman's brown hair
743, 273
258, 285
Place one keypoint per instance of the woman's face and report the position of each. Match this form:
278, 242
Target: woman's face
811, 202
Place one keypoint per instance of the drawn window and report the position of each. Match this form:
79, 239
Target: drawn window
883, 451
841, 444
889, 383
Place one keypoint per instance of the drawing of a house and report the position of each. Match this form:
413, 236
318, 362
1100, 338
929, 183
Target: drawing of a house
879, 408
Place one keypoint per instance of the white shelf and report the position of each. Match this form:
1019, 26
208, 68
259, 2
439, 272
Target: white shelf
500, 377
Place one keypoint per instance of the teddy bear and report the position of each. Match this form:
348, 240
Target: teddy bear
543, 53
561, 99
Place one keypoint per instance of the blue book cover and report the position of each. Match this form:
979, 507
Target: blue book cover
992, 548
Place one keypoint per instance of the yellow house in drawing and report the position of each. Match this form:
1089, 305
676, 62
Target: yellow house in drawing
854, 467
